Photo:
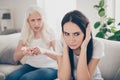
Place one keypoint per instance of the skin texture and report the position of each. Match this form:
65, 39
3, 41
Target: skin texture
73, 36
35, 22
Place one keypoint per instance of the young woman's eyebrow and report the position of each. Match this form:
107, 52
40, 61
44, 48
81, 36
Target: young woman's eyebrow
73, 32
76, 32
65, 32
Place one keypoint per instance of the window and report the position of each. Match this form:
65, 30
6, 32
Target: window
114, 11
117, 12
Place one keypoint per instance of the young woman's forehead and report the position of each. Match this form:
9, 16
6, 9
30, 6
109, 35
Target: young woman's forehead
71, 27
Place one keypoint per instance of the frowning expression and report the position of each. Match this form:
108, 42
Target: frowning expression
73, 35
35, 21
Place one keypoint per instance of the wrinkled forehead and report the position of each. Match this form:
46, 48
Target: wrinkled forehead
71, 27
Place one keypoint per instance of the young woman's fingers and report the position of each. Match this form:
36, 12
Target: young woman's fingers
63, 41
87, 38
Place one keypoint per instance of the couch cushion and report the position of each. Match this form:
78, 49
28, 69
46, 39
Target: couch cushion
8, 44
110, 63
117, 76
2, 76
7, 68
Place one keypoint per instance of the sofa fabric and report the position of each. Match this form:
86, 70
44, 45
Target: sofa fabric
8, 44
8, 68
7, 55
109, 65
117, 76
9, 31
2, 76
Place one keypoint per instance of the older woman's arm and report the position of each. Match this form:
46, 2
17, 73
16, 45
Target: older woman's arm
18, 52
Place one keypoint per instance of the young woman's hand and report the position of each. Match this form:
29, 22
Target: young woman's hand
87, 38
63, 42
65, 47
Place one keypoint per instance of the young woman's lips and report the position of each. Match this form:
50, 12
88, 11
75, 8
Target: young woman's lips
72, 45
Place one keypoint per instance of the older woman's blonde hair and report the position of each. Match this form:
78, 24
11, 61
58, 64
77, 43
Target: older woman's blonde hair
27, 33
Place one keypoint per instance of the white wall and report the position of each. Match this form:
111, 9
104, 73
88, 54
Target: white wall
86, 6
117, 12
3, 8
56, 11
18, 8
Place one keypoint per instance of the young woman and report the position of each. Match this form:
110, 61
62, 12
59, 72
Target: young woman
83, 53
80, 52
34, 36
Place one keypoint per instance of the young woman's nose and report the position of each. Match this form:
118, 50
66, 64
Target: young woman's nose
72, 38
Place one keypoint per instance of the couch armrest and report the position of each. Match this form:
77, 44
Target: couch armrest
2, 76
110, 63
117, 76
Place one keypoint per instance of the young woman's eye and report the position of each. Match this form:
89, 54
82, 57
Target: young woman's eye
66, 34
76, 34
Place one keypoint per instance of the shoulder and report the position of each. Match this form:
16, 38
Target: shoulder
98, 48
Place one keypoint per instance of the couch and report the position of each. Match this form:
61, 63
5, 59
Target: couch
109, 64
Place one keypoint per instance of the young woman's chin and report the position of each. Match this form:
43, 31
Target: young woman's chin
73, 47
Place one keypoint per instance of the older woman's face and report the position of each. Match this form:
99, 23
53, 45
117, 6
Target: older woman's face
35, 21
73, 35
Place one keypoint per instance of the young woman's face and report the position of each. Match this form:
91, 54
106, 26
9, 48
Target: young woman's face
73, 35
35, 21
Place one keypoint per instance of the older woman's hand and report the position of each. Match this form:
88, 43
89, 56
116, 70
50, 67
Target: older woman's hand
30, 51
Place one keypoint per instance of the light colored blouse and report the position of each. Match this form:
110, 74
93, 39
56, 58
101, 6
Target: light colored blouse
98, 53
41, 60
